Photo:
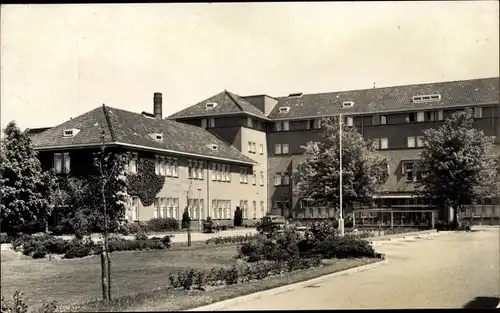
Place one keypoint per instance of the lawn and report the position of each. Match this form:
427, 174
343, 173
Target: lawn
79, 280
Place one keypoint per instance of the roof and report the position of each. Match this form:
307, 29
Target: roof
227, 103
398, 98
124, 128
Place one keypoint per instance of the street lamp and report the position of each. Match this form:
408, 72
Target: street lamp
199, 209
341, 219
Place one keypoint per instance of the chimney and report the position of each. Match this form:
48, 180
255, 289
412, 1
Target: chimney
157, 105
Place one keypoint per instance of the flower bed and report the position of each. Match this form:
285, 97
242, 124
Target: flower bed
231, 239
39, 246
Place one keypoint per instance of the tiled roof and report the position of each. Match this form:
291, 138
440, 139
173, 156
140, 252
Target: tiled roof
465, 92
129, 128
227, 102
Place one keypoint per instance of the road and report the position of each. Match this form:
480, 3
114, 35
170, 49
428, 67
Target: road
445, 270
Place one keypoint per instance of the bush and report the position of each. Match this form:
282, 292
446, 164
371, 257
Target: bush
18, 305
238, 217
186, 220
342, 247
28, 244
163, 224
4, 238
121, 244
81, 248
231, 239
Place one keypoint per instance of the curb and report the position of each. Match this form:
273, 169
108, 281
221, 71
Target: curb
270, 292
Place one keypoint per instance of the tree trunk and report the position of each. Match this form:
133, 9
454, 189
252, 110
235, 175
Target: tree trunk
455, 216
189, 235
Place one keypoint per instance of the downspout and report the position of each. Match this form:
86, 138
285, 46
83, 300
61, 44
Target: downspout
208, 192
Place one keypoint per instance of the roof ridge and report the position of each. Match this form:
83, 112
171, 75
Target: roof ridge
394, 86
232, 99
108, 121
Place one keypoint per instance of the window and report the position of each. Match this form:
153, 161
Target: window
190, 169
347, 104
420, 116
284, 109
249, 122
214, 171
262, 178
254, 211
170, 167
135, 209
211, 122
286, 125
408, 171
430, 116
384, 143
286, 179
210, 105
277, 126
175, 167
203, 123
420, 141
243, 175
410, 118
62, 162
215, 209
250, 147
348, 120
133, 163
426, 98
200, 170
254, 178
478, 112
254, 147
156, 208
411, 142
261, 149
376, 143
277, 179
383, 119
277, 149
440, 115
285, 149
219, 172
317, 123
170, 207
161, 165
228, 173
262, 208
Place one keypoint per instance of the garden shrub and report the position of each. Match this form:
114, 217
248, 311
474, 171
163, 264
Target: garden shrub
163, 224
231, 239
4, 238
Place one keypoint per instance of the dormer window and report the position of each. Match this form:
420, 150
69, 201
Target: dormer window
426, 98
156, 136
214, 147
210, 105
284, 109
70, 132
347, 104
295, 95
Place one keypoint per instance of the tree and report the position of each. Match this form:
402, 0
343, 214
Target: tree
364, 170
26, 191
455, 166
238, 217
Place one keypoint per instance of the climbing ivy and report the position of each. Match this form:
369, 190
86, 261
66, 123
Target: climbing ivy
145, 184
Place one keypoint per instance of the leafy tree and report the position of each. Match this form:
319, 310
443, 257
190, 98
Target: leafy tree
363, 170
238, 217
456, 165
26, 192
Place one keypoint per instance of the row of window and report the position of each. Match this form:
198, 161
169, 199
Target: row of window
281, 179
252, 148
281, 148
379, 119
164, 166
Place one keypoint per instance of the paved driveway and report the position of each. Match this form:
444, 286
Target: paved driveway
444, 270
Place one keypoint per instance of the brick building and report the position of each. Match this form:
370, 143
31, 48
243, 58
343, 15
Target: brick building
229, 150
394, 117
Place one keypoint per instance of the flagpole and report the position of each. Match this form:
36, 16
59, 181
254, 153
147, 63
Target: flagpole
341, 218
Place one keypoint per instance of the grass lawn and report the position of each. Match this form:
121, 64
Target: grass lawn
79, 280
177, 300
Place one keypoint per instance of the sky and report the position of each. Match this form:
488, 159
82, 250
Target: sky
60, 61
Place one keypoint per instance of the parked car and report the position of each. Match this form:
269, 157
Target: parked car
271, 223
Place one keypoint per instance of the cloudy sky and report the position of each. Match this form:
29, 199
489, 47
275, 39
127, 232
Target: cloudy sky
59, 61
